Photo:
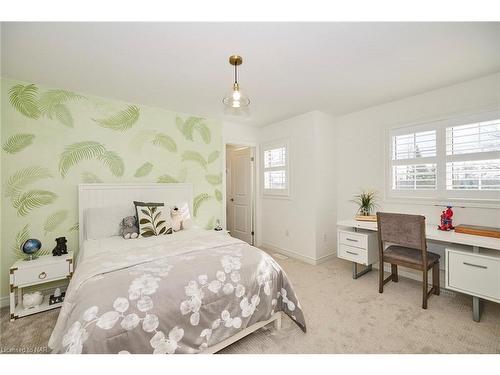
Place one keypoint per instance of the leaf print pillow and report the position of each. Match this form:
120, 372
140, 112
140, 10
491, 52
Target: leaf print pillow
153, 219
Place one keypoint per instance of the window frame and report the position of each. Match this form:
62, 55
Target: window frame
440, 194
279, 143
412, 161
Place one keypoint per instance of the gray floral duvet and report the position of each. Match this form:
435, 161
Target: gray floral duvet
179, 293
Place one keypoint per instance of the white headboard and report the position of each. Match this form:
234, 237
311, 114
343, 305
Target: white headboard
109, 195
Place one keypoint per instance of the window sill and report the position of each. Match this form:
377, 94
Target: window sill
456, 202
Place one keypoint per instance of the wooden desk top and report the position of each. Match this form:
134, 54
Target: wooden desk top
433, 234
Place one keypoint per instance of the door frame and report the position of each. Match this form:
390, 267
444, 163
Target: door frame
255, 184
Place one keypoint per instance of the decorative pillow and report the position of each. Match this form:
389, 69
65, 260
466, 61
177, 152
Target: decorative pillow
187, 221
103, 222
153, 219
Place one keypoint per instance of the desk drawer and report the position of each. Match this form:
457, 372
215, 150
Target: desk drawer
354, 254
474, 274
353, 239
42, 273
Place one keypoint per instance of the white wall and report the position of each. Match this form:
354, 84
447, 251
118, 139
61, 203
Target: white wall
325, 185
361, 149
239, 133
361, 145
302, 225
333, 158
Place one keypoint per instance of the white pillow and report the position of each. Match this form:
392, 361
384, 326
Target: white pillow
187, 221
104, 222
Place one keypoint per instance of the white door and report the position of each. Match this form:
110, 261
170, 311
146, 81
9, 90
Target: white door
239, 185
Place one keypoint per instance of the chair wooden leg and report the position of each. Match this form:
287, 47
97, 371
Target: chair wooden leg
381, 277
394, 272
435, 278
424, 289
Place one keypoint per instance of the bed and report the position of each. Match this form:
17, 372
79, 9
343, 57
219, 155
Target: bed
193, 291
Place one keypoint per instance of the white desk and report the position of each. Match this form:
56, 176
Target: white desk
433, 234
478, 244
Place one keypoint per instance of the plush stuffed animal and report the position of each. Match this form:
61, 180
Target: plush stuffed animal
129, 228
176, 219
61, 247
32, 299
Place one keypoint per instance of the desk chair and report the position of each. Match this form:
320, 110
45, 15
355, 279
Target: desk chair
402, 243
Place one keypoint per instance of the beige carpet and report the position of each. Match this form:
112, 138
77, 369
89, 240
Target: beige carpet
343, 316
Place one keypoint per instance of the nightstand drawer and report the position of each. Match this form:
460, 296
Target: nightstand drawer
353, 239
354, 254
41, 273
473, 274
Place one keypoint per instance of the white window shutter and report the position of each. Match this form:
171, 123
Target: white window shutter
276, 168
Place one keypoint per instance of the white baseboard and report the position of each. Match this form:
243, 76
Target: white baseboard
326, 257
4, 301
292, 254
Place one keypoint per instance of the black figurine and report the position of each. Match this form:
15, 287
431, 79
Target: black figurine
61, 247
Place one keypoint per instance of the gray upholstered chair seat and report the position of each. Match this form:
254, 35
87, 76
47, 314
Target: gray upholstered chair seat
404, 236
409, 255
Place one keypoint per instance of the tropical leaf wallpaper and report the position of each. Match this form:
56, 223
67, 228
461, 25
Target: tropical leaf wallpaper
53, 139
121, 121
144, 169
18, 142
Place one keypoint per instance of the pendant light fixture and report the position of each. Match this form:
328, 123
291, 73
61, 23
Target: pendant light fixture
236, 99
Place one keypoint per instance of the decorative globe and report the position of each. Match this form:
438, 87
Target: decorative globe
30, 247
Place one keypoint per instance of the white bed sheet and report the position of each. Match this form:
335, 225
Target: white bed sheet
93, 247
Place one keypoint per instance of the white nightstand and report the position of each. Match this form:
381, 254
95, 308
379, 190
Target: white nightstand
360, 247
42, 270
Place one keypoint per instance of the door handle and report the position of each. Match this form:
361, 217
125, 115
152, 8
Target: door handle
350, 252
475, 265
232, 199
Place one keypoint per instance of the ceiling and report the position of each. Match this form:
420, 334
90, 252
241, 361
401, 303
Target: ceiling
288, 69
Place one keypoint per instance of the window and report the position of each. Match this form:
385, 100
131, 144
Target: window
414, 177
276, 168
473, 156
447, 159
415, 145
414, 161
473, 175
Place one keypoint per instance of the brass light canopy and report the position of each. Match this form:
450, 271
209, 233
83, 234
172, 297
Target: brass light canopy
235, 60
236, 99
